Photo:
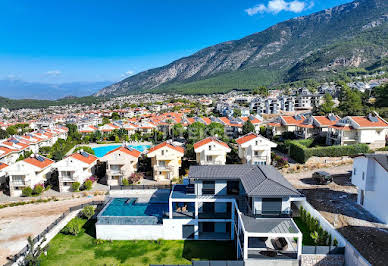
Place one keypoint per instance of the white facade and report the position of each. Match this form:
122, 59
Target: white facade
371, 179
211, 152
255, 149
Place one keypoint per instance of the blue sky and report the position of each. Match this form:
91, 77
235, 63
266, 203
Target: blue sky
84, 40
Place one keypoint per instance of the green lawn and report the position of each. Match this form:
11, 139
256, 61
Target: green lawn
83, 250
307, 240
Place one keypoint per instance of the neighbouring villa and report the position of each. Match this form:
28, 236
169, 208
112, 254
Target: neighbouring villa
249, 204
75, 168
120, 163
211, 151
29, 172
255, 149
166, 159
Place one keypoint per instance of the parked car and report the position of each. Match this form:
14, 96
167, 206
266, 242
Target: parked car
322, 177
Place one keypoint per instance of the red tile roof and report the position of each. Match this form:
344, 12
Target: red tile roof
290, 120
345, 128
165, 144
274, 124
3, 165
35, 162
246, 138
363, 121
208, 140
130, 151
324, 121
89, 160
306, 125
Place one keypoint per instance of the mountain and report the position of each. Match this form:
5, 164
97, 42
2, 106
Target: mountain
310, 47
18, 89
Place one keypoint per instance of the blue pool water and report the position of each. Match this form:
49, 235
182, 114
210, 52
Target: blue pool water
101, 151
129, 207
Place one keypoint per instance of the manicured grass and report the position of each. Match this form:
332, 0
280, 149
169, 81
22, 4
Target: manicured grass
83, 250
307, 240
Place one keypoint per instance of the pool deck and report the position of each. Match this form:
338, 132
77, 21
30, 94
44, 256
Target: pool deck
95, 145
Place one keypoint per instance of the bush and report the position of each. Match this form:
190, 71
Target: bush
135, 178
75, 186
47, 188
87, 212
73, 227
27, 192
38, 189
88, 184
300, 153
125, 182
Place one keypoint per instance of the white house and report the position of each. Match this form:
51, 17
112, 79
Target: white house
255, 149
3, 176
120, 164
75, 168
370, 129
27, 173
211, 151
370, 176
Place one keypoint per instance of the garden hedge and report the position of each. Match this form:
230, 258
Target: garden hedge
300, 152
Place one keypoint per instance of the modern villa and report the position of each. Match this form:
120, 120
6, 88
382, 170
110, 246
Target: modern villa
249, 204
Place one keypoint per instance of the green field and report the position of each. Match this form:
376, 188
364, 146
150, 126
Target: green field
83, 250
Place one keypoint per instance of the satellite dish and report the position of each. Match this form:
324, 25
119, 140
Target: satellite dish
32, 155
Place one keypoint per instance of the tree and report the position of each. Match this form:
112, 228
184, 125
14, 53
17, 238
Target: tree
115, 116
12, 130
3, 134
236, 112
178, 130
32, 257
314, 235
216, 130
263, 91
196, 132
381, 95
248, 127
327, 106
105, 120
351, 102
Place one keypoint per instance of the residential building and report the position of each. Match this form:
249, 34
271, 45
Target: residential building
3, 174
211, 151
370, 129
284, 123
28, 173
315, 126
75, 168
370, 176
255, 149
166, 159
120, 164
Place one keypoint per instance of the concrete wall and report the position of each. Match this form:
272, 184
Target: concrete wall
313, 259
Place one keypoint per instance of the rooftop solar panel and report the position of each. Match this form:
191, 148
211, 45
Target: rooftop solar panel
372, 118
84, 154
40, 158
331, 117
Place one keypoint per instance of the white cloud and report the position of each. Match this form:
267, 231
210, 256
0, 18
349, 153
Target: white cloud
276, 6
53, 73
128, 73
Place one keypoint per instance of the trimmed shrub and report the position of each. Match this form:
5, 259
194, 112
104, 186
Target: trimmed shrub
38, 189
75, 186
27, 192
87, 212
73, 227
125, 182
88, 184
300, 153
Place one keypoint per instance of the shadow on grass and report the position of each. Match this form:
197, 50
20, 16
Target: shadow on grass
208, 250
90, 227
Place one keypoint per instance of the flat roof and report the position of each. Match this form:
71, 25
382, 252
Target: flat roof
269, 225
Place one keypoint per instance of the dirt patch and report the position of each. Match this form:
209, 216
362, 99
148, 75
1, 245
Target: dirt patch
337, 202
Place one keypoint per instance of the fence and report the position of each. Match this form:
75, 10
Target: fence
42, 235
141, 187
322, 250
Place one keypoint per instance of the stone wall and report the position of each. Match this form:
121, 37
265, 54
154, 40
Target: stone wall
322, 259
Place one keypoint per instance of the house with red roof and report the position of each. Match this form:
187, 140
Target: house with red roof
3, 176
211, 151
315, 126
28, 173
88, 129
108, 127
77, 167
254, 149
370, 129
121, 163
166, 159
284, 123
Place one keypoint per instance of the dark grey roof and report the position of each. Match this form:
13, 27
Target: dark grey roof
269, 225
257, 180
382, 159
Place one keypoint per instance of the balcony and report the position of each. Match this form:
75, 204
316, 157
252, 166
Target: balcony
208, 191
21, 183
215, 215
114, 172
205, 162
163, 168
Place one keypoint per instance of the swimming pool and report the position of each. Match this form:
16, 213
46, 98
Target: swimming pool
129, 207
101, 151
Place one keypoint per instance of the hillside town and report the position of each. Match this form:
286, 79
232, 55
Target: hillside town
278, 175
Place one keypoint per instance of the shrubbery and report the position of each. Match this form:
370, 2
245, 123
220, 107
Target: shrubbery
38, 189
87, 212
320, 236
88, 184
75, 186
73, 227
300, 152
27, 192
125, 182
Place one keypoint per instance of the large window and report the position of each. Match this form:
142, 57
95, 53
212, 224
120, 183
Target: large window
271, 206
233, 187
208, 187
